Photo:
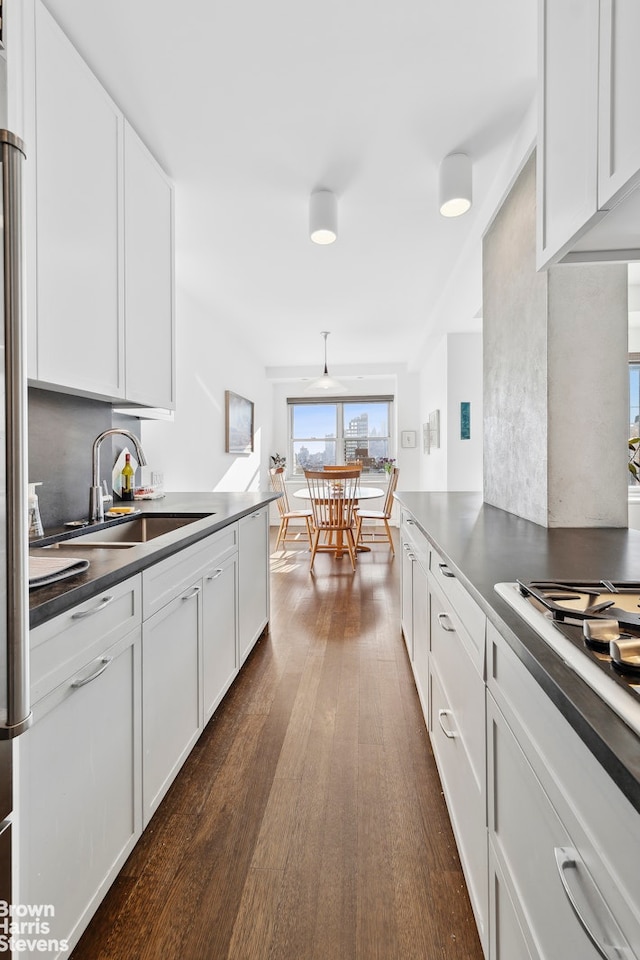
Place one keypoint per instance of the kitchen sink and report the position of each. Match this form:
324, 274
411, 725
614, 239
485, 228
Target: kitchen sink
128, 533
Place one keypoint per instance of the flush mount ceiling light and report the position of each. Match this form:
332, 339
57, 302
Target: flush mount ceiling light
325, 384
455, 185
323, 216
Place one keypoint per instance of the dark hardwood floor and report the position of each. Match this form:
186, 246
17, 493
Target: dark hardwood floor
309, 822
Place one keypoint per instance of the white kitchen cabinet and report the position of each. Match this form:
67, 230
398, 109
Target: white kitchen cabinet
457, 730
406, 604
171, 703
588, 152
148, 273
99, 234
564, 844
189, 653
219, 630
253, 579
414, 604
78, 784
619, 147
75, 281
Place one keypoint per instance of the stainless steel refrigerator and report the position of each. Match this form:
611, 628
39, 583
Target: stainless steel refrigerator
14, 660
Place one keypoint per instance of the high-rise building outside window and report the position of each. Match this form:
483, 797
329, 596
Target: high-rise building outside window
339, 431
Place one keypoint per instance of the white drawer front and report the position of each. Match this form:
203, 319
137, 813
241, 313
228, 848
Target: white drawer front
161, 582
470, 614
601, 821
67, 642
464, 795
546, 865
463, 686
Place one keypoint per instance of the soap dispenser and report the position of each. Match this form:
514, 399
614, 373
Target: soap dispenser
35, 523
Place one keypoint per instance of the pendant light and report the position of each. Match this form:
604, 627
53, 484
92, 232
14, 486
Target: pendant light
455, 185
325, 384
323, 216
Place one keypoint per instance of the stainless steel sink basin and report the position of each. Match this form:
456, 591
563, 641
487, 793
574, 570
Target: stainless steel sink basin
129, 533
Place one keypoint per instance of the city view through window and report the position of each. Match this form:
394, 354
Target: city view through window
340, 432
634, 407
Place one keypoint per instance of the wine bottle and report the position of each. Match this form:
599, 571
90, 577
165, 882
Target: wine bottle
127, 476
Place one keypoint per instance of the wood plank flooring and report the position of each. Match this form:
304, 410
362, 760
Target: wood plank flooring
308, 822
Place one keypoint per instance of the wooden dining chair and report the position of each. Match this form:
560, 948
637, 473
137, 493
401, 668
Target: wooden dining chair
341, 467
285, 511
383, 515
333, 501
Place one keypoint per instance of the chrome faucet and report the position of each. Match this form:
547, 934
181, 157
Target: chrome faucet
96, 496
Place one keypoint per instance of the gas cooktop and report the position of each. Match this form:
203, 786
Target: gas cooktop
594, 625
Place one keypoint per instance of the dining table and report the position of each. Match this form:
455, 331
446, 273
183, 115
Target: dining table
362, 493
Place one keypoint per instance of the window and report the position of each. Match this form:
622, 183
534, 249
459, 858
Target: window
634, 402
339, 431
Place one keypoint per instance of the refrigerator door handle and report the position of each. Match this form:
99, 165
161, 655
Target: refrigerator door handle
18, 709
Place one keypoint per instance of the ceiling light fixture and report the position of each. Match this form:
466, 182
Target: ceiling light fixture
323, 216
325, 384
455, 185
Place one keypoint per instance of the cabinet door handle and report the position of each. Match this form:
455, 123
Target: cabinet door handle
194, 593
254, 516
444, 620
445, 571
104, 663
590, 907
214, 576
81, 614
446, 730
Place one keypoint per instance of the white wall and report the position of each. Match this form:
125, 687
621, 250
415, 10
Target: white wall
433, 396
452, 374
190, 451
464, 383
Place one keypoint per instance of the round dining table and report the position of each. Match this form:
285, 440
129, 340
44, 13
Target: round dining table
362, 493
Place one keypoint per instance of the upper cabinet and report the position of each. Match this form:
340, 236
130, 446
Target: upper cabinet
100, 250
78, 134
588, 132
148, 261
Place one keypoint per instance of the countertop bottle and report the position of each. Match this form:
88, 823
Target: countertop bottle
127, 476
35, 522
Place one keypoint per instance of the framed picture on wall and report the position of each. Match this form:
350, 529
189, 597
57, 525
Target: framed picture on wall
426, 439
407, 438
238, 423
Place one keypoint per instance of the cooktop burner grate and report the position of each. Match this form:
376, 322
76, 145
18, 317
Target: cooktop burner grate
562, 612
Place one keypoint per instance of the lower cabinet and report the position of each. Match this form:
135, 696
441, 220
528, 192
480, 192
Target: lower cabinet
414, 603
78, 791
253, 578
457, 730
171, 702
122, 687
219, 631
563, 840
189, 653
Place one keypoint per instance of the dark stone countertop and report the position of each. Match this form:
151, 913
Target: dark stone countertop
109, 566
484, 546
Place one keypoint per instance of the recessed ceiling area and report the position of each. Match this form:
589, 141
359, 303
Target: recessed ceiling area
250, 107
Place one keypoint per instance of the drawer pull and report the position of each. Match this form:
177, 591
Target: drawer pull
104, 663
190, 596
445, 623
446, 730
214, 576
444, 570
585, 899
81, 614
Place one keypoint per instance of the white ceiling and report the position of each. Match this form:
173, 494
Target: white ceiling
249, 106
